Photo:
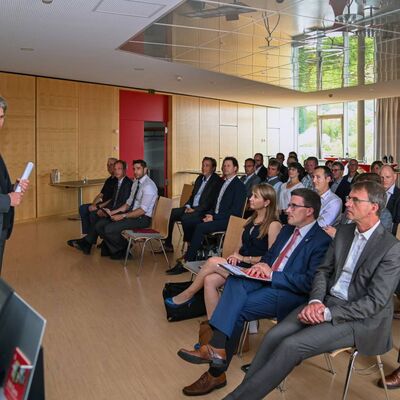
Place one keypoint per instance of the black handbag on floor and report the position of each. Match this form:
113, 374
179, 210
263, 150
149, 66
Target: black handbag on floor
193, 309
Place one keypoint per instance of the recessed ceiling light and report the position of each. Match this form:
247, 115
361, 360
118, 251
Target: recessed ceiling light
138, 69
27, 49
179, 78
47, 1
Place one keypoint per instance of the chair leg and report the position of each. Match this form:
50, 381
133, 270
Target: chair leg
243, 339
165, 254
151, 247
329, 364
141, 256
127, 251
349, 373
380, 366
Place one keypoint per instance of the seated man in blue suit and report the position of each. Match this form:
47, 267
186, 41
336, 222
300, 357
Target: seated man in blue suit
289, 265
230, 201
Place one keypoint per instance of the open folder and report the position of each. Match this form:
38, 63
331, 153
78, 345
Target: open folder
242, 272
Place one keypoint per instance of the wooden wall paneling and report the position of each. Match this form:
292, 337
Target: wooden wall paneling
209, 129
185, 139
17, 144
228, 138
260, 130
245, 133
57, 144
97, 131
228, 113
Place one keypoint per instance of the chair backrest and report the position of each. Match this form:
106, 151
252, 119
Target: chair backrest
185, 195
245, 207
233, 235
161, 215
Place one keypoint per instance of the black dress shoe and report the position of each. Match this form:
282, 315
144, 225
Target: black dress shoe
245, 368
83, 245
177, 270
72, 242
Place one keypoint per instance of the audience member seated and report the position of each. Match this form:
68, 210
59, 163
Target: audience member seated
329, 164
385, 216
230, 201
135, 213
296, 172
310, 164
261, 171
205, 191
258, 236
351, 300
341, 187
101, 200
376, 167
352, 170
293, 154
283, 175
289, 266
331, 205
250, 179
121, 193
292, 159
274, 168
388, 177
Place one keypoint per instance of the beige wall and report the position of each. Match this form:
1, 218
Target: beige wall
60, 124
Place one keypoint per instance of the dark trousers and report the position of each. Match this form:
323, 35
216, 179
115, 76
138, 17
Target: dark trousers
3, 238
178, 214
286, 345
87, 217
111, 231
93, 233
195, 231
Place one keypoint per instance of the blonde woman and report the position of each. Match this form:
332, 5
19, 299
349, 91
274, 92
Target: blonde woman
259, 234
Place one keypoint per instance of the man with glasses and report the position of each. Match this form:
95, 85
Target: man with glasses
350, 301
341, 187
250, 179
288, 269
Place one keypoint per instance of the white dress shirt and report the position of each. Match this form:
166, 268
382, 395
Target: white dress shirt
331, 207
146, 196
222, 191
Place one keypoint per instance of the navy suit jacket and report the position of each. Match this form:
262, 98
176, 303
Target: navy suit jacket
232, 202
343, 190
123, 194
295, 281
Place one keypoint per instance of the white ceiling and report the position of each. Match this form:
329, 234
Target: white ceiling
77, 39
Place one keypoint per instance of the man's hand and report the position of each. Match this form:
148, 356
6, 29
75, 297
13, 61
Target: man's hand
234, 258
15, 198
260, 270
312, 314
101, 214
189, 210
23, 183
208, 218
93, 207
118, 217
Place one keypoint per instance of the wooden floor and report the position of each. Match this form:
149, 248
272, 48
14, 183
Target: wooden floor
107, 336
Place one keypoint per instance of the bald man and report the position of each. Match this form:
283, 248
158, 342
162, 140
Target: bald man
388, 178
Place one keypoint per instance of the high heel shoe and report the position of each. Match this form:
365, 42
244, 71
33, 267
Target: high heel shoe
170, 302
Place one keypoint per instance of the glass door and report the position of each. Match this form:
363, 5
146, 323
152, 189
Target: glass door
330, 136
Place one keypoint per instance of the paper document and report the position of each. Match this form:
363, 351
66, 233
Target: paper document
242, 272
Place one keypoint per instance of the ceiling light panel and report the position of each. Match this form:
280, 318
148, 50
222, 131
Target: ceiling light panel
129, 8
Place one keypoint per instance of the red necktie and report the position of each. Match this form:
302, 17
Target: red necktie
281, 257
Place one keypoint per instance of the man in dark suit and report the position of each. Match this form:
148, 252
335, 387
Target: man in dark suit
250, 179
230, 201
104, 197
289, 266
340, 186
261, 170
8, 198
204, 194
122, 191
388, 178
284, 172
350, 301
352, 170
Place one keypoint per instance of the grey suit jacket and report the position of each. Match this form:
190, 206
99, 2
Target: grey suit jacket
369, 306
254, 180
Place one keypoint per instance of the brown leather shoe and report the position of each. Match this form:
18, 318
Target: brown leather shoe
205, 384
392, 380
206, 354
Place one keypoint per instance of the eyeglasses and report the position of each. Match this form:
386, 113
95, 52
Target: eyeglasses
335, 169
295, 206
356, 200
